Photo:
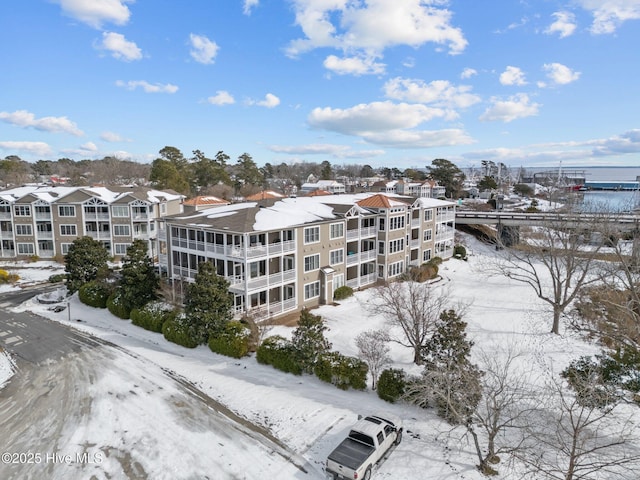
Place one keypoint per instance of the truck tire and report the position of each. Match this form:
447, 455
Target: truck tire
398, 438
367, 474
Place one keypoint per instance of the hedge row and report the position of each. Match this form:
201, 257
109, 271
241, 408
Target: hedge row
95, 294
232, 342
342, 371
152, 316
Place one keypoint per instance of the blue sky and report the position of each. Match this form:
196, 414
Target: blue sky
378, 82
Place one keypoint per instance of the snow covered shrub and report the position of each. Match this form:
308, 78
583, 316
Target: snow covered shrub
342, 371
233, 341
95, 294
391, 384
57, 278
117, 306
178, 330
460, 252
152, 316
280, 353
342, 292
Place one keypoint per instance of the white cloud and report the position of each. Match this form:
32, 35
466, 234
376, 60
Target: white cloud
628, 142
353, 65
438, 92
34, 148
120, 47
560, 74
419, 138
374, 25
512, 76
516, 106
222, 97
608, 15
270, 101
336, 151
112, 137
23, 118
248, 6
468, 73
97, 12
203, 50
147, 87
564, 24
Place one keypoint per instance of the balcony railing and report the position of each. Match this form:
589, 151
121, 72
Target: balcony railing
96, 216
361, 233
362, 281
43, 215
262, 282
415, 222
7, 252
44, 235
365, 256
99, 235
264, 312
5, 215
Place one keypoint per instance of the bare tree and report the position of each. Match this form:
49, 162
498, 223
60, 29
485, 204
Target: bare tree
413, 308
557, 261
577, 440
374, 351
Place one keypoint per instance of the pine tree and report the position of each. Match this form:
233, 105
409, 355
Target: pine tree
85, 261
208, 303
309, 340
139, 280
453, 382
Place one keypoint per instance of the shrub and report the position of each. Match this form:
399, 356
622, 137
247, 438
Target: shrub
426, 271
178, 330
342, 371
117, 306
57, 278
391, 384
95, 294
152, 316
460, 252
280, 353
233, 341
342, 292
6, 277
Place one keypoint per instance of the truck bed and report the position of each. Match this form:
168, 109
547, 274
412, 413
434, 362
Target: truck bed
351, 453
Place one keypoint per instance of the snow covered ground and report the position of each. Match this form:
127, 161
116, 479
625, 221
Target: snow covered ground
312, 417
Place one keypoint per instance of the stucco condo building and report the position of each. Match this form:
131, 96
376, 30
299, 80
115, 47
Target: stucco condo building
43, 221
283, 255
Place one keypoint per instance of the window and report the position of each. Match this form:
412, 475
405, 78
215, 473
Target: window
311, 290
336, 256
396, 245
68, 230
66, 211
311, 234
26, 249
337, 230
426, 255
23, 230
312, 262
121, 230
65, 247
396, 223
22, 211
396, 269
426, 235
381, 225
428, 215
163, 208
380, 248
120, 211
121, 248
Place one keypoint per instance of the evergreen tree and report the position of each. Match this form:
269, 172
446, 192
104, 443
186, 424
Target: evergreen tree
448, 175
453, 381
85, 261
247, 172
139, 280
308, 339
208, 303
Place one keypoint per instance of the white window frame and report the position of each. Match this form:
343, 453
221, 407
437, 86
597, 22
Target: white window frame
395, 269
66, 210
64, 248
311, 235
22, 210
24, 229
427, 235
336, 230
428, 215
72, 227
120, 248
117, 227
312, 265
311, 290
426, 255
118, 210
336, 256
30, 247
396, 246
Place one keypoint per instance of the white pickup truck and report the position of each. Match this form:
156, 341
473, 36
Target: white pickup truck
367, 443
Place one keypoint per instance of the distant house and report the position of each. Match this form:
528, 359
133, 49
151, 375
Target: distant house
331, 186
425, 189
203, 201
264, 195
280, 256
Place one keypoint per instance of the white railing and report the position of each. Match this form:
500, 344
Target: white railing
43, 215
43, 235
361, 233
415, 222
5, 215
96, 216
362, 281
99, 235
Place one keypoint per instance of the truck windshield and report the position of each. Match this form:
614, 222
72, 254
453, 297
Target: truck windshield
361, 437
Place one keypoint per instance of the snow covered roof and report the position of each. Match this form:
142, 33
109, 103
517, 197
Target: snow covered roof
49, 193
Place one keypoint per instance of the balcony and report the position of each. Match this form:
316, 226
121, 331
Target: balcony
361, 233
264, 312
262, 282
44, 235
6, 234
365, 256
7, 252
362, 281
43, 215
415, 222
99, 235
96, 216
5, 215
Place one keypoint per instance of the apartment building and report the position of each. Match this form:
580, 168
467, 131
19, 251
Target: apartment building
43, 221
282, 255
